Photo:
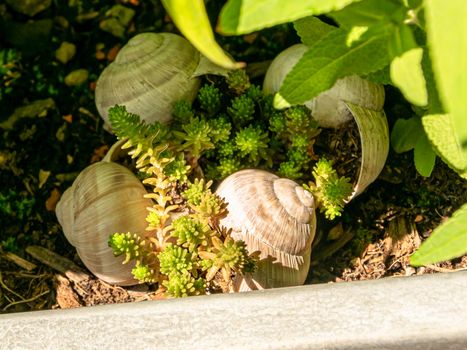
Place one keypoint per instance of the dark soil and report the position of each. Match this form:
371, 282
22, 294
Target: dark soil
43, 152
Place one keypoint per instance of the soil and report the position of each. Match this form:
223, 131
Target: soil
44, 148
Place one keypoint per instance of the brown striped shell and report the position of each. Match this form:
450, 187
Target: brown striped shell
104, 199
275, 216
150, 73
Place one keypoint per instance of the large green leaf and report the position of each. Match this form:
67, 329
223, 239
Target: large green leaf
369, 12
440, 130
424, 156
381, 76
311, 29
379, 13
405, 134
434, 103
407, 75
246, 16
192, 20
402, 40
332, 58
447, 40
448, 241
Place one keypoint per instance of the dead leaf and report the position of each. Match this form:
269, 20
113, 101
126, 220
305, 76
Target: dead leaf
99, 153
66, 297
68, 118
250, 38
100, 55
51, 202
43, 176
113, 53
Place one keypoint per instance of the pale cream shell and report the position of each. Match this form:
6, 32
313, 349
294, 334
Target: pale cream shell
150, 73
374, 138
328, 108
275, 216
351, 97
104, 199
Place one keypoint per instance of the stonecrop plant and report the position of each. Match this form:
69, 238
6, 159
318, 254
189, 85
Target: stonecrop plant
231, 125
234, 126
189, 248
329, 189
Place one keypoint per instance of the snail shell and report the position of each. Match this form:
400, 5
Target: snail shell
328, 108
105, 198
150, 73
275, 216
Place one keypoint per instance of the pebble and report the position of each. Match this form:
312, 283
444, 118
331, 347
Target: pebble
65, 52
76, 77
409, 271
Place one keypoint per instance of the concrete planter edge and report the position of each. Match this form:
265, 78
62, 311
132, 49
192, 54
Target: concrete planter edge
419, 312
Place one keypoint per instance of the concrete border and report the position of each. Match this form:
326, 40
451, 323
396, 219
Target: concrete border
421, 312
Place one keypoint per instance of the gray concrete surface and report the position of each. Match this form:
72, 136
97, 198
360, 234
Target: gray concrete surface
422, 312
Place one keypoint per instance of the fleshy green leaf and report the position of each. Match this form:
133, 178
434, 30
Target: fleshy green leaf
331, 59
440, 130
447, 41
246, 16
407, 75
192, 20
424, 156
311, 29
405, 134
448, 241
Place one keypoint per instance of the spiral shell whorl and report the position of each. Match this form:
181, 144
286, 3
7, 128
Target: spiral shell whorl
150, 73
274, 216
105, 198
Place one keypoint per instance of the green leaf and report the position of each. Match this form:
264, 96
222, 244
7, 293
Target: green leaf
192, 20
246, 16
440, 130
331, 59
434, 103
380, 13
447, 241
402, 40
369, 12
311, 29
413, 4
405, 134
381, 76
407, 75
424, 156
447, 40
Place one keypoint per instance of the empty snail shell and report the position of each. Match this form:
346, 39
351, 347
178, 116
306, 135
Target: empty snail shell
350, 97
328, 108
275, 216
104, 199
150, 73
